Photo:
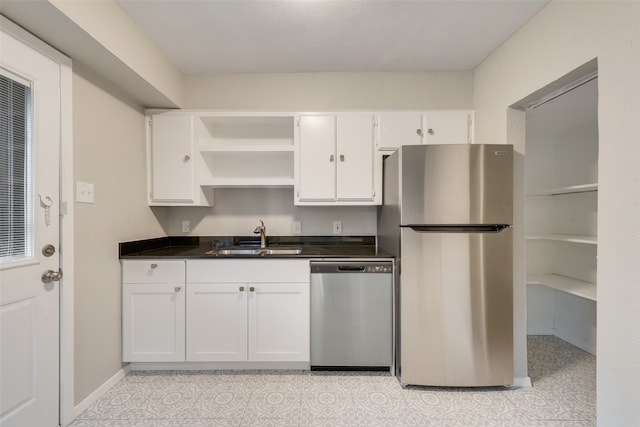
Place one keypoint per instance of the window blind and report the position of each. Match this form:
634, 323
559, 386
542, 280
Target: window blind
16, 210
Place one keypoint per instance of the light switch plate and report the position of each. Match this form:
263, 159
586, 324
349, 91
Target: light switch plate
84, 192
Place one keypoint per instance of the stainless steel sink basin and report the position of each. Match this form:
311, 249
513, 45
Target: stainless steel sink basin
255, 251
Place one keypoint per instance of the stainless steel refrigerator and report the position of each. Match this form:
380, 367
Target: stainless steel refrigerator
447, 216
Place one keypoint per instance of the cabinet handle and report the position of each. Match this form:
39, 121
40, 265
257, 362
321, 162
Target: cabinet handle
252, 289
241, 288
342, 157
177, 288
419, 132
187, 157
430, 131
154, 265
331, 158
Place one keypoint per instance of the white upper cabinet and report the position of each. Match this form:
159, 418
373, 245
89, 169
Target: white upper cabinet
336, 163
329, 158
398, 128
171, 160
448, 127
316, 167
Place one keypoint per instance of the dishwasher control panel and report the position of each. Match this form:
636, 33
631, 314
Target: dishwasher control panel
331, 267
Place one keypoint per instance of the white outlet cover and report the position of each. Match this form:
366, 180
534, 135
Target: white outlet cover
84, 192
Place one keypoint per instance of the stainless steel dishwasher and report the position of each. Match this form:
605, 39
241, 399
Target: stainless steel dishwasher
351, 315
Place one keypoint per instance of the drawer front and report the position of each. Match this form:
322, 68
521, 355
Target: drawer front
153, 271
248, 271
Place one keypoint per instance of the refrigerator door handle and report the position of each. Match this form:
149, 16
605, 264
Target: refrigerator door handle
457, 228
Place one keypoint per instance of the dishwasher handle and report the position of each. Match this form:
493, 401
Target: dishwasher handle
352, 268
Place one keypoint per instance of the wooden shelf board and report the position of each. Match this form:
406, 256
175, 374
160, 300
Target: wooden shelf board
582, 188
565, 284
589, 240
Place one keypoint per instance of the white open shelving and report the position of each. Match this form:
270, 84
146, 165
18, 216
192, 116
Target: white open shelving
565, 284
246, 151
561, 174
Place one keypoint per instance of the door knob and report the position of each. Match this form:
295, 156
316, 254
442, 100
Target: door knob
51, 276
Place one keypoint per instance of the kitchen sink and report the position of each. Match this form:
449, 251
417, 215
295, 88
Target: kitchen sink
255, 251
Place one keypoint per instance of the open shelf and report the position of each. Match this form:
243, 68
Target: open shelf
588, 240
582, 188
248, 182
565, 284
239, 148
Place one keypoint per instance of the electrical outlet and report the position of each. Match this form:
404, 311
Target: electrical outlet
337, 227
186, 226
297, 227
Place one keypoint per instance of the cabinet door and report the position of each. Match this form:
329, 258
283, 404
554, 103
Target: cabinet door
317, 158
448, 127
172, 172
396, 129
153, 322
279, 322
216, 322
355, 157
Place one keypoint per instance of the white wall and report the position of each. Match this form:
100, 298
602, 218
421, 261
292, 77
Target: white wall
109, 152
559, 39
238, 211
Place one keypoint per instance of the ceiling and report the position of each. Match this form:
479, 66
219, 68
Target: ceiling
280, 36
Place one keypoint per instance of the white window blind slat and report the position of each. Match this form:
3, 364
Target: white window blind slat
16, 195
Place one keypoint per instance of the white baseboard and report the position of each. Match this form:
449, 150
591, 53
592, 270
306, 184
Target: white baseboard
196, 366
100, 391
522, 382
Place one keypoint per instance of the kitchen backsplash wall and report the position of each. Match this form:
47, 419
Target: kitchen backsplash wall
238, 212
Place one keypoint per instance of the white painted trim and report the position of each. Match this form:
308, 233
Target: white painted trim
67, 414
522, 382
100, 391
206, 366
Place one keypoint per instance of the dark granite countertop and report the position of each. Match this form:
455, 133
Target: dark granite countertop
197, 247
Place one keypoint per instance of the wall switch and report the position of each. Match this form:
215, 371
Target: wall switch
297, 227
84, 192
186, 226
337, 227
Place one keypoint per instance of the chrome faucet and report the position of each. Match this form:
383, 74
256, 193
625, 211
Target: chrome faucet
262, 230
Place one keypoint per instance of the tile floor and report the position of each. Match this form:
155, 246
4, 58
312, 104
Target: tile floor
564, 394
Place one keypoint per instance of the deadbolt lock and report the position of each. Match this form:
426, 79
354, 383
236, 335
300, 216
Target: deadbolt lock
48, 250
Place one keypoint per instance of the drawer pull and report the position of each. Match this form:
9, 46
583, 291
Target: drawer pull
177, 288
154, 265
252, 289
241, 288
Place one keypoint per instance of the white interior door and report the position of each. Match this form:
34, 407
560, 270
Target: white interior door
29, 222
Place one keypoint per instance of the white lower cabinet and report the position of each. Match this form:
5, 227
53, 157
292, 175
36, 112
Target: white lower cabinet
247, 310
216, 322
153, 311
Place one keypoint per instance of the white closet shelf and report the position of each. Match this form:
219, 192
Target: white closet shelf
565, 284
571, 238
582, 188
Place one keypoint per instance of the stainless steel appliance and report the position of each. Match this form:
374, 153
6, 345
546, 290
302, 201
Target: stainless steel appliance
351, 314
446, 215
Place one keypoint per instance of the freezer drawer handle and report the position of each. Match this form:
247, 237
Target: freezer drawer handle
458, 228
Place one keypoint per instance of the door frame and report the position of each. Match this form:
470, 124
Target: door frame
66, 368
